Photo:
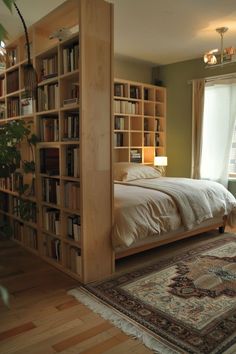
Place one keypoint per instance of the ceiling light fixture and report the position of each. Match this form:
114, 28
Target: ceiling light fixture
2, 50
223, 56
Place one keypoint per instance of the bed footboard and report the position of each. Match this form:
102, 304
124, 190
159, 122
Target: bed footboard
220, 225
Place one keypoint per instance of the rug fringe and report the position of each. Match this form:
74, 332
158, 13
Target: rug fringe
128, 328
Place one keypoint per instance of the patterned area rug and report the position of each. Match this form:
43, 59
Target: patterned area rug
185, 304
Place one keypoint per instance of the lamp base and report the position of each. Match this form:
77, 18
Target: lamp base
161, 169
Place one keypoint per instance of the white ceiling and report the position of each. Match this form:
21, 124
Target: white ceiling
155, 31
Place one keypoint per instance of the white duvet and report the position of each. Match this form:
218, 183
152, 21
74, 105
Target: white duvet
147, 207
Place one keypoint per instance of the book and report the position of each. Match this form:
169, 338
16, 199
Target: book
70, 101
26, 106
71, 127
72, 195
49, 161
13, 81
73, 227
49, 128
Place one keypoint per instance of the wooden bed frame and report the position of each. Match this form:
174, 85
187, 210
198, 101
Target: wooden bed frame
179, 236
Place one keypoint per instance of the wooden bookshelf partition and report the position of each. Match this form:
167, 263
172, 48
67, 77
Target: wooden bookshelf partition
139, 121
71, 219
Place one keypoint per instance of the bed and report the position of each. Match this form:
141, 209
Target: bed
151, 210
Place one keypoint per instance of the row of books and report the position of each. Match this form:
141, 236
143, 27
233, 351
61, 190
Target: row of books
71, 127
135, 155
13, 183
4, 201
146, 95
72, 94
13, 107
18, 231
48, 97
30, 237
53, 248
20, 205
49, 128
2, 86
119, 123
70, 58
11, 56
49, 161
74, 260
120, 90
13, 81
2, 110
147, 139
134, 92
72, 161
49, 67
150, 95
127, 107
25, 234
51, 190
73, 227
72, 195
16, 181
118, 139
51, 220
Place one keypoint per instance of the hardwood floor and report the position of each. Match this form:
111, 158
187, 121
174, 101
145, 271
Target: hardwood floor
43, 319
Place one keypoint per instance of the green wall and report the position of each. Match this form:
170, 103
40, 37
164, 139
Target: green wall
133, 70
175, 78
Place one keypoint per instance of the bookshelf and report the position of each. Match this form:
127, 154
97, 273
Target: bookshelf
71, 206
139, 125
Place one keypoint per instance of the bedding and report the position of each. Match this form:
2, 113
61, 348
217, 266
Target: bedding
126, 171
153, 206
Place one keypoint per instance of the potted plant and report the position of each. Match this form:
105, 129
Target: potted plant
14, 133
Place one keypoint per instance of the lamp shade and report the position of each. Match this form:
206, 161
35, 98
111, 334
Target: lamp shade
160, 161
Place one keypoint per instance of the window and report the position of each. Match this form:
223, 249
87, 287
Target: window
232, 160
219, 131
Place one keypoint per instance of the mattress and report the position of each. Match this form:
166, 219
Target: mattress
149, 208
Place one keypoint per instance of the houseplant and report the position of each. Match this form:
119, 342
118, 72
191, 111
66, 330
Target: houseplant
14, 133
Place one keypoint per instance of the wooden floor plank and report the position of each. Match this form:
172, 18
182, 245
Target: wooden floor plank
39, 299
70, 342
38, 335
25, 327
95, 342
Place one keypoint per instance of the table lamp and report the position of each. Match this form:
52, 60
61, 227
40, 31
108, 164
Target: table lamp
161, 162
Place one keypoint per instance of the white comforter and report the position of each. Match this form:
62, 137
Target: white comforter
147, 207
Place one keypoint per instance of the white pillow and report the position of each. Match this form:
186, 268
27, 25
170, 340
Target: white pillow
125, 171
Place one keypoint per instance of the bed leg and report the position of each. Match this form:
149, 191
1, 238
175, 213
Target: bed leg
221, 229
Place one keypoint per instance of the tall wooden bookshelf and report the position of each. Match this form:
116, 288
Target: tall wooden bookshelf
139, 121
72, 118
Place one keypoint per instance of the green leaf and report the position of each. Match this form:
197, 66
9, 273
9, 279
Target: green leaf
8, 3
33, 139
4, 295
28, 166
3, 33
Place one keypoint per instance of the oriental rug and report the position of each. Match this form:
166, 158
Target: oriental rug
181, 304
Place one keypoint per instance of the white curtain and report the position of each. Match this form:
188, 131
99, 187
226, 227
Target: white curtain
218, 125
197, 121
